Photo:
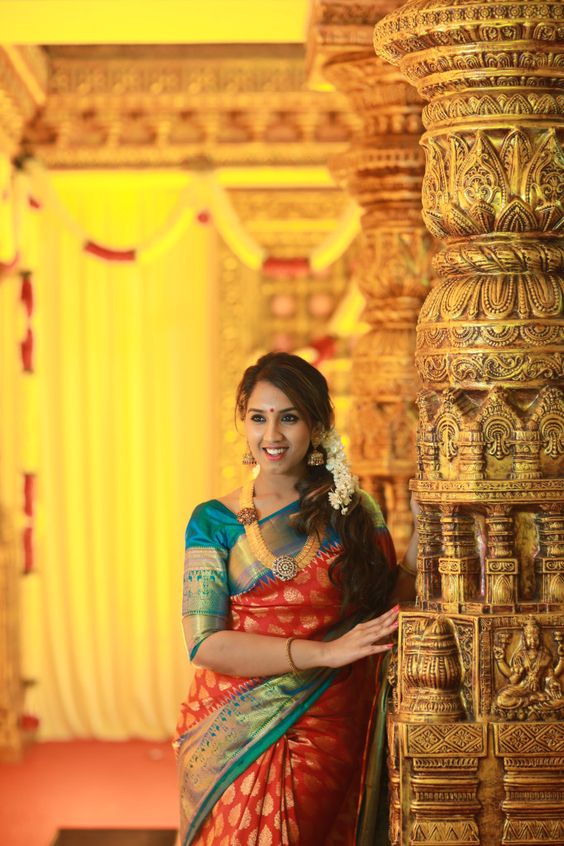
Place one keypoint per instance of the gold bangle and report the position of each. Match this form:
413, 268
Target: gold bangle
403, 566
296, 670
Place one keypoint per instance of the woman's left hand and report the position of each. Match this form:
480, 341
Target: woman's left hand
362, 640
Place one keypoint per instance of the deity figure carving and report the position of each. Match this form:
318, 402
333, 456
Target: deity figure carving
534, 689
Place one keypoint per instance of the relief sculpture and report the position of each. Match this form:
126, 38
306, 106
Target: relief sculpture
534, 689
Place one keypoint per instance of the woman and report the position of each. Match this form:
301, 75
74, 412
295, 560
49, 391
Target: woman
286, 594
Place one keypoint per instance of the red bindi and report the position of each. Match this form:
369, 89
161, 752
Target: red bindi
271, 410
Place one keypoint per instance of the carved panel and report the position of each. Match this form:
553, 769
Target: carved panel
23, 83
230, 104
382, 169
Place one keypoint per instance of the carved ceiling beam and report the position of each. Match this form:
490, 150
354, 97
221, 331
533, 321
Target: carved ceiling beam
23, 89
230, 105
490, 345
382, 169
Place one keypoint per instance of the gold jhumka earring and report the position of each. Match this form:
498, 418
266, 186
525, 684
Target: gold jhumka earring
248, 458
316, 458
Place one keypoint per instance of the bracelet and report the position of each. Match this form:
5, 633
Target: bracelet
403, 566
296, 670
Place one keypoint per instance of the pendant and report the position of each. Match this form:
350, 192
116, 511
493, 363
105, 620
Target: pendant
284, 567
247, 516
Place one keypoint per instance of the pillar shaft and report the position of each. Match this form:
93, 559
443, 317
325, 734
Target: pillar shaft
491, 437
382, 169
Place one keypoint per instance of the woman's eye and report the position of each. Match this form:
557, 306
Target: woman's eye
290, 418
257, 418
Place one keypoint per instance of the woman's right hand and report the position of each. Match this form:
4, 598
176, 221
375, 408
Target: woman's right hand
362, 640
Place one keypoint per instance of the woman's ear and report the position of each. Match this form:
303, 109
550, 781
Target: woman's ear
316, 433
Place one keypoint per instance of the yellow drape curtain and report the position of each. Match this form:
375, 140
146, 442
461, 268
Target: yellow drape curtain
125, 371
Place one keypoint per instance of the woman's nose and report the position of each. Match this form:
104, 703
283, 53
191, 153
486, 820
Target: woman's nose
272, 430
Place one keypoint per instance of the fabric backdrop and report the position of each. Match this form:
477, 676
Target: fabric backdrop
125, 372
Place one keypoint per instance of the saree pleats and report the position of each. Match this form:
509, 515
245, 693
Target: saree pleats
304, 788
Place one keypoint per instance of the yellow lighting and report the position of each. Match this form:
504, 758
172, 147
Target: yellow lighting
152, 21
118, 421
275, 177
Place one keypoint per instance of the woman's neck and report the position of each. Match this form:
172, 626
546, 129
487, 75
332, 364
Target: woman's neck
277, 488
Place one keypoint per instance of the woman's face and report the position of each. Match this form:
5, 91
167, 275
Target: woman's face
278, 434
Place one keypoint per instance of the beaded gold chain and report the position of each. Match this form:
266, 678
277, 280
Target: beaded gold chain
284, 567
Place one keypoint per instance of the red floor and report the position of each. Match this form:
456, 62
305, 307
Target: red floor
86, 784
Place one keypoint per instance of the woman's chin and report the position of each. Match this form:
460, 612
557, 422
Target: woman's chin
282, 467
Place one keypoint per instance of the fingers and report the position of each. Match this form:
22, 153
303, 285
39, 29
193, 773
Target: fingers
383, 618
378, 626
385, 622
377, 629
392, 613
382, 647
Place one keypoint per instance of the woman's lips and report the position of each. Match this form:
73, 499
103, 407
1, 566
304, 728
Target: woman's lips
278, 455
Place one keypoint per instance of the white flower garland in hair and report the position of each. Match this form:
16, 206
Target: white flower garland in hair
346, 485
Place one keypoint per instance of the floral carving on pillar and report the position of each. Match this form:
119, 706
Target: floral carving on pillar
489, 350
382, 169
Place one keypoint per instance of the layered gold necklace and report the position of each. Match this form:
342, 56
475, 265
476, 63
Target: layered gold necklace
284, 567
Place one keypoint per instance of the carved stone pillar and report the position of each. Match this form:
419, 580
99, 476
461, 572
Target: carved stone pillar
382, 169
23, 79
491, 437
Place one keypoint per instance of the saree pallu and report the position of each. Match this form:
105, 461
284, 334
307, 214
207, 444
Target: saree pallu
272, 760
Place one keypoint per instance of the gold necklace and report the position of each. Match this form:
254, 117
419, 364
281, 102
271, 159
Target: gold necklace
284, 567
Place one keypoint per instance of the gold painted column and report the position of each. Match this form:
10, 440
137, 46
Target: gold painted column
23, 81
491, 435
382, 169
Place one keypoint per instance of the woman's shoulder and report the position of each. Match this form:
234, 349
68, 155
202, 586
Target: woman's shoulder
227, 502
209, 521
230, 500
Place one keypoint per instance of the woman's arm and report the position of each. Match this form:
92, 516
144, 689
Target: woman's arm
250, 655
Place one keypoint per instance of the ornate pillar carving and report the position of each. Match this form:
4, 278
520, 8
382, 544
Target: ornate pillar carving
23, 89
491, 435
11, 683
23, 81
382, 169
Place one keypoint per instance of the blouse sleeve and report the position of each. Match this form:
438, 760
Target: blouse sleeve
382, 535
205, 598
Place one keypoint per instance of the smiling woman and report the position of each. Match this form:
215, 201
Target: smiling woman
287, 593
276, 432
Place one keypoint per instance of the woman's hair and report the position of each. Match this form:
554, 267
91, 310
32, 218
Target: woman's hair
360, 570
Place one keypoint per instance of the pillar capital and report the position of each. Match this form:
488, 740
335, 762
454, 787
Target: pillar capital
23, 90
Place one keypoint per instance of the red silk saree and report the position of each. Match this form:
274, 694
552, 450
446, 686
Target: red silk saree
275, 760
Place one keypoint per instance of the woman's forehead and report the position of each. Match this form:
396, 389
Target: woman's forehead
267, 396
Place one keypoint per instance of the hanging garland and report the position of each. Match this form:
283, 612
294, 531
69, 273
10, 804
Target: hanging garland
203, 200
189, 207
